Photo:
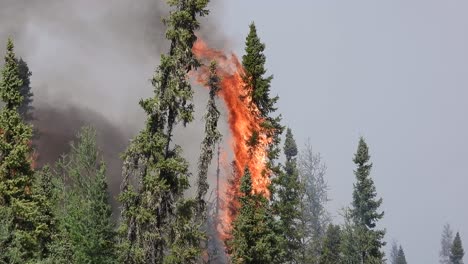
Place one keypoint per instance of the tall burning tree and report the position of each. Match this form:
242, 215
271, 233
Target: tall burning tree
246, 94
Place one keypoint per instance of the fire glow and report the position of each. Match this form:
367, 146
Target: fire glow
244, 120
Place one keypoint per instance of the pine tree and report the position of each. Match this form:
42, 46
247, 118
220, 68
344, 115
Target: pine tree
19, 210
331, 245
364, 209
457, 252
255, 239
401, 259
86, 231
446, 244
158, 224
286, 201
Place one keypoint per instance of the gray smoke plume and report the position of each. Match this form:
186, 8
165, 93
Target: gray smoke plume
91, 62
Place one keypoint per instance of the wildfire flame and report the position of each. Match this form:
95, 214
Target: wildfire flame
244, 122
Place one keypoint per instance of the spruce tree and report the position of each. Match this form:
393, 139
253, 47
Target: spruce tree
350, 235
158, 224
286, 201
255, 239
26, 108
401, 259
446, 244
212, 137
86, 232
45, 194
257, 86
19, 210
365, 207
457, 252
331, 246
254, 64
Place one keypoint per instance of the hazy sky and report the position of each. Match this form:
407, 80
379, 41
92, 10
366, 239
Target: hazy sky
395, 72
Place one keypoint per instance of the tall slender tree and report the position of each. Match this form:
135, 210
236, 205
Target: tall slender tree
314, 197
19, 209
446, 244
257, 86
157, 221
287, 201
365, 208
457, 252
212, 137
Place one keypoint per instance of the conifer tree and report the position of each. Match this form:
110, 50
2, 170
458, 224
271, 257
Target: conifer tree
394, 253
44, 192
254, 64
457, 252
401, 259
255, 239
158, 224
350, 235
86, 233
365, 207
18, 209
446, 244
257, 86
286, 201
26, 108
331, 245
314, 216
212, 137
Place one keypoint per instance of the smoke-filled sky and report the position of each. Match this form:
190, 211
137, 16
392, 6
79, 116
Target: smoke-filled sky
395, 72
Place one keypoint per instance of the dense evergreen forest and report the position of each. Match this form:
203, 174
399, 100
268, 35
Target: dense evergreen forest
273, 211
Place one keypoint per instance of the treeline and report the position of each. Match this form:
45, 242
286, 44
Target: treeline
61, 213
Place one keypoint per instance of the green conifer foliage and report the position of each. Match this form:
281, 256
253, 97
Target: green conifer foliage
331, 246
26, 108
457, 252
157, 222
86, 232
258, 87
268, 239
212, 137
401, 259
287, 199
19, 210
365, 207
255, 238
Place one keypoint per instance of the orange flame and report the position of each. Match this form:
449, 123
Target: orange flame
244, 120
